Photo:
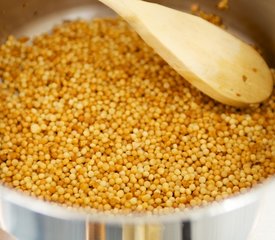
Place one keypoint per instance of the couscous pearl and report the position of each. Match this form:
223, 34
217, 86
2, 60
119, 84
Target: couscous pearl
91, 117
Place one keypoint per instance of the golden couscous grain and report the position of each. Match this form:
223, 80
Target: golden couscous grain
210, 17
223, 4
91, 117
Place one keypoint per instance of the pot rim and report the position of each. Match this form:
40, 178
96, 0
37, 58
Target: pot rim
10, 196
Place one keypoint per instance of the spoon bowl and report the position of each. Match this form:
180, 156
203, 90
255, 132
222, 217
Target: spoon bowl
216, 62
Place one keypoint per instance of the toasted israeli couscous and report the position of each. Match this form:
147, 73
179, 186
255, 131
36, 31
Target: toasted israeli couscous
91, 117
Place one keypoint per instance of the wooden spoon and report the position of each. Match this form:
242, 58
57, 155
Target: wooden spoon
217, 63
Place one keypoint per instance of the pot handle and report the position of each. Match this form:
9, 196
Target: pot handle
173, 231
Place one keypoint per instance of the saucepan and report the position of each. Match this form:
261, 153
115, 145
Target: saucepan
28, 218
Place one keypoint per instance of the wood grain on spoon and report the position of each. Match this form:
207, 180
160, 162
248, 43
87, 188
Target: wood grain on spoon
219, 64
